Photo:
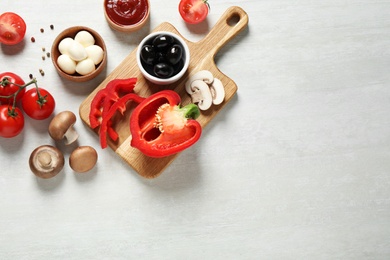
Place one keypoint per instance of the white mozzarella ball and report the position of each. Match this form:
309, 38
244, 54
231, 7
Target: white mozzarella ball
77, 51
95, 53
85, 67
66, 64
64, 45
85, 38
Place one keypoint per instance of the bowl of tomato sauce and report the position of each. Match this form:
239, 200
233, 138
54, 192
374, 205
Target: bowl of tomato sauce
126, 15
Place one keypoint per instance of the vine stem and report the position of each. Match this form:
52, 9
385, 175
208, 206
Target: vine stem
6, 82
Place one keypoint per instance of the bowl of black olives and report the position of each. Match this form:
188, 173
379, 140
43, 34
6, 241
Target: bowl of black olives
163, 57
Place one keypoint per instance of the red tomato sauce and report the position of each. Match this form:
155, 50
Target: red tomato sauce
126, 12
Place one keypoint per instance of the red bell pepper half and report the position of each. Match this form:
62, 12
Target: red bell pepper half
161, 127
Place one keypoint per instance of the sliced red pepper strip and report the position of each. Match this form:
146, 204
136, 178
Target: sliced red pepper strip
107, 96
96, 105
115, 88
160, 127
118, 106
111, 131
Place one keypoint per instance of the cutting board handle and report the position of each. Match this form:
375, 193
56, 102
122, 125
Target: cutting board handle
233, 20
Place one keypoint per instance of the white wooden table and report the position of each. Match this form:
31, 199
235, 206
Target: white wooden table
297, 166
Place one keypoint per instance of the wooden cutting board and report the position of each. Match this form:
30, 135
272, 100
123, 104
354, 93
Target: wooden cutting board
202, 55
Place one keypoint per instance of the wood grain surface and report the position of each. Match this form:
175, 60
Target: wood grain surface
202, 55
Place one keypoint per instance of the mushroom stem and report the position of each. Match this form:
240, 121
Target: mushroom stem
201, 94
70, 135
61, 127
197, 96
44, 159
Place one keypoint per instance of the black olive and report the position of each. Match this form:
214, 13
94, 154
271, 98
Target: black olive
178, 67
162, 42
161, 57
163, 70
149, 68
174, 54
148, 54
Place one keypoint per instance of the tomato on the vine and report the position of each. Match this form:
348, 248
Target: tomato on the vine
12, 28
10, 88
193, 11
11, 121
38, 104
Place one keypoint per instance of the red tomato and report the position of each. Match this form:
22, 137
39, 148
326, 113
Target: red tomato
9, 89
12, 28
193, 11
11, 124
38, 106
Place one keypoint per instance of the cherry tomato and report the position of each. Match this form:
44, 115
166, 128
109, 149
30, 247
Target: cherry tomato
11, 123
12, 28
9, 89
38, 106
193, 11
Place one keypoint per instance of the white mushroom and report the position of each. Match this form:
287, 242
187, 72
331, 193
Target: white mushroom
203, 75
61, 127
201, 94
46, 161
217, 91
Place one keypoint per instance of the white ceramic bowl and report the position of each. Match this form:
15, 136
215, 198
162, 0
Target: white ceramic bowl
174, 78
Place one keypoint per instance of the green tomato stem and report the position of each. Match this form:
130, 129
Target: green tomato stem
207, 3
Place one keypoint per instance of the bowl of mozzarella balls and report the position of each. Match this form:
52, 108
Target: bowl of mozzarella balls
79, 54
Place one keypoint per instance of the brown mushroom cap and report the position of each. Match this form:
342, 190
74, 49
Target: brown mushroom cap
46, 161
61, 127
83, 159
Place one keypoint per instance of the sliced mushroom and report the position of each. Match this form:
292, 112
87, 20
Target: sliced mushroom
83, 159
46, 161
201, 94
61, 127
217, 91
203, 75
